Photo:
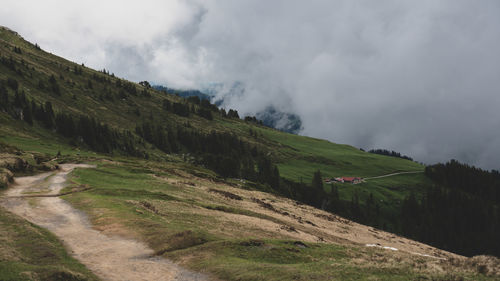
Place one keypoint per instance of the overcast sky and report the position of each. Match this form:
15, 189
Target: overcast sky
420, 77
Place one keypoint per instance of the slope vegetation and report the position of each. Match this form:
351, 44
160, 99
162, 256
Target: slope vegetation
137, 120
205, 188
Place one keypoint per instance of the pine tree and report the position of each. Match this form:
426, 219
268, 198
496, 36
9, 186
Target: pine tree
4, 97
27, 114
317, 189
48, 115
223, 113
13, 84
356, 212
54, 86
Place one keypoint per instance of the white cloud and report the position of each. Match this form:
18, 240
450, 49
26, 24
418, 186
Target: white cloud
416, 76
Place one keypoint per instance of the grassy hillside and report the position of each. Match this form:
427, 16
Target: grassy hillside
299, 157
169, 197
296, 156
80, 91
103, 101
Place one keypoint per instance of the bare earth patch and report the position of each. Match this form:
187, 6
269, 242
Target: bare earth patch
109, 257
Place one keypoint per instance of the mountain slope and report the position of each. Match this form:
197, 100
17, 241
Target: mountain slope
111, 100
159, 156
77, 90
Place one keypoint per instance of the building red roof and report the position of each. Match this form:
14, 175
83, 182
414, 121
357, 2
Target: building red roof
350, 178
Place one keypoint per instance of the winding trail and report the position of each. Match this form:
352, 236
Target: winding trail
393, 174
109, 257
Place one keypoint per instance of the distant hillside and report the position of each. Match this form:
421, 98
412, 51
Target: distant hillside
182, 93
270, 116
283, 121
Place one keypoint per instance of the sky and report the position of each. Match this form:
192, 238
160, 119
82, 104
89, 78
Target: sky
419, 77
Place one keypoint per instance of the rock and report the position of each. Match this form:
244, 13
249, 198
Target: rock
6, 177
13, 163
48, 166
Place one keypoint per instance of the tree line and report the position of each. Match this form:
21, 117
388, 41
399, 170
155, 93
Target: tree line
223, 152
80, 128
466, 178
391, 153
461, 213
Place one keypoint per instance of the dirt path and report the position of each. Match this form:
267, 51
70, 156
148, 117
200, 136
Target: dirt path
393, 174
110, 258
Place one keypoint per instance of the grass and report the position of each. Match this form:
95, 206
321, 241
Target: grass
299, 157
130, 196
171, 219
181, 221
28, 252
389, 192
35, 139
255, 259
395, 187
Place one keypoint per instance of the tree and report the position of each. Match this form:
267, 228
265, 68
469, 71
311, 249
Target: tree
333, 200
356, 212
194, 99
54, 86
20, 99
27, 114
205, 113
223, 113
233, 114
180, 109
48, 115
317, 181
317, 189
167, 105
145, 84
4, 97
13, 84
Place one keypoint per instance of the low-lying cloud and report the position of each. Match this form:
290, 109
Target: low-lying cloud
419, 77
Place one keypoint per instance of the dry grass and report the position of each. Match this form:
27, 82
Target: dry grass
197, 218
303, 223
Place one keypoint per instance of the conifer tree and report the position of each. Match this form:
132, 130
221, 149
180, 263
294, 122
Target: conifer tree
27, 114
48, 115
4, 97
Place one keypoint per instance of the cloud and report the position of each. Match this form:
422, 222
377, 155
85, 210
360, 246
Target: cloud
420, 77
131, 38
